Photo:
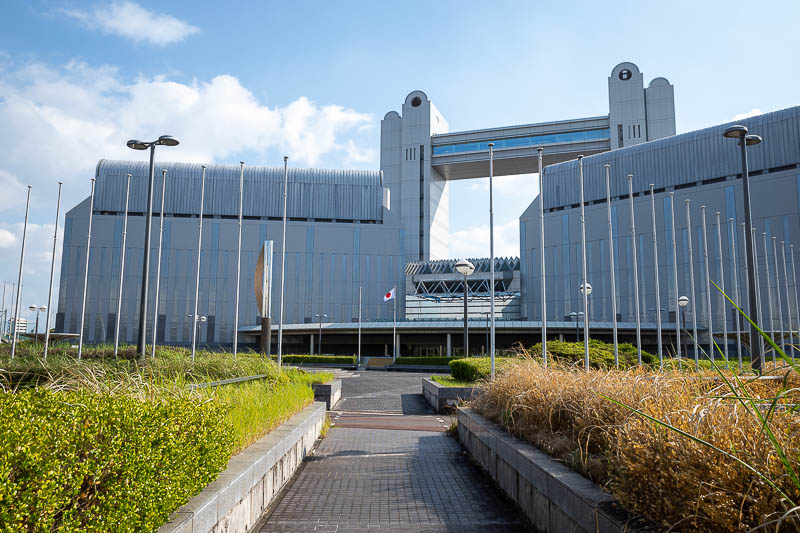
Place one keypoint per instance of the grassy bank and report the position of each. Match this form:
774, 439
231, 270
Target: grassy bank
660, 474
90, 445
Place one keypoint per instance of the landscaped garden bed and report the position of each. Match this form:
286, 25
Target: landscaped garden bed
94, 444
601, 424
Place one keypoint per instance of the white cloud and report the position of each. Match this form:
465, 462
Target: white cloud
358, 154
132, 21
7, 239
753, 112
520, 185
59, 121
474, 241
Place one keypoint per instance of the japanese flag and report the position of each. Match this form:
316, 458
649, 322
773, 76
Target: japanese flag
389, 295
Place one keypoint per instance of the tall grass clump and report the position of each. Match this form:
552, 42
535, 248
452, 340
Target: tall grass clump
673, 480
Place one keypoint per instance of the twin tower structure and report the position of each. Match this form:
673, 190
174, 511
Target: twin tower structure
348, 230
420, 156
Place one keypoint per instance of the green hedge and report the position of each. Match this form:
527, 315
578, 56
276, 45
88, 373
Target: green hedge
601, 354
474, 368
101, 461
432, 361
326, 359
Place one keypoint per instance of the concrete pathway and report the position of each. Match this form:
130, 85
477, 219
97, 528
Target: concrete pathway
387, 465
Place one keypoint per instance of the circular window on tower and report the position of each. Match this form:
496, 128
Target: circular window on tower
625, 74
416, 101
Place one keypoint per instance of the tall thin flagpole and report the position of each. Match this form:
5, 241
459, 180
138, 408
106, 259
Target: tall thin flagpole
611, 265
359, 327
786, 288
691, 278
675, 276
796, 300
52, 270
758, 292
197, 271
283, 257
778, 293
19, 276
711, 353
585, 284
723, 302
394, 326
769, 293
158, 260
542, 260
655, 271
491, 254
635, 272
239, 263
3, 310
86, 272
122, 268
737, 290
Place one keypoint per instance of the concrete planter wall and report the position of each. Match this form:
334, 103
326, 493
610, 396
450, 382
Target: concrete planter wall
553, 497
330, 392
237, 499
443, 398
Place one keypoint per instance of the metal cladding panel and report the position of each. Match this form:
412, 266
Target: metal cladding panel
686, 158
312, 193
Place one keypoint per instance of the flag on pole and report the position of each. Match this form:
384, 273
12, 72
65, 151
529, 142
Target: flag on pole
389, 295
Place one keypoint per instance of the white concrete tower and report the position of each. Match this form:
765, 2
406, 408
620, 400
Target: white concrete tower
418, 193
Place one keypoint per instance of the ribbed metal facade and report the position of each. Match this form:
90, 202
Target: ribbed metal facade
687, 158
312, 193
702, 167
339, 237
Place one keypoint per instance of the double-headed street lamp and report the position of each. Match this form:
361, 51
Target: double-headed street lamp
745, 140
198, 319
466, 268
37, 308
164, 140
577, 317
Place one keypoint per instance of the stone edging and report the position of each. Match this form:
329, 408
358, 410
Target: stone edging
330, 392
237, 499
442, 398
553, 497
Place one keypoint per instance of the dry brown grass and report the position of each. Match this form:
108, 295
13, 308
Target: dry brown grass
654, 471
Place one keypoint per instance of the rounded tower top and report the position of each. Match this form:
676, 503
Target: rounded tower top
625, 71
416, 98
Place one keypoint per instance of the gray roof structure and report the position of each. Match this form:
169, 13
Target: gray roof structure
681, 160
312, 193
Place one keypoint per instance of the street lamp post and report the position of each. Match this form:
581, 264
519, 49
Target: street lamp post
164, 140
197, 321
740, 132
577, 316
38, 309
683, 301
491, 258
320, 316
466, 268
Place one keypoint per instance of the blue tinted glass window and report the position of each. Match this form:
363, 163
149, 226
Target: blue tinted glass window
517, 142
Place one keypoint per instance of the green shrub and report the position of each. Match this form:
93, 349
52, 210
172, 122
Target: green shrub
99, 461
324, 359
601, 354
474, 368
432, 361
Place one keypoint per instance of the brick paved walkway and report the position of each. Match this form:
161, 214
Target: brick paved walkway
388, 479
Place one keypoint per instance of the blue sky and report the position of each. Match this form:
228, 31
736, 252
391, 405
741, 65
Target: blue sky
255, 80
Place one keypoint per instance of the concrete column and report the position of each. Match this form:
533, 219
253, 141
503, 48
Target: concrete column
399, 350
561, 337
386, 350
449, 345
311, 345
